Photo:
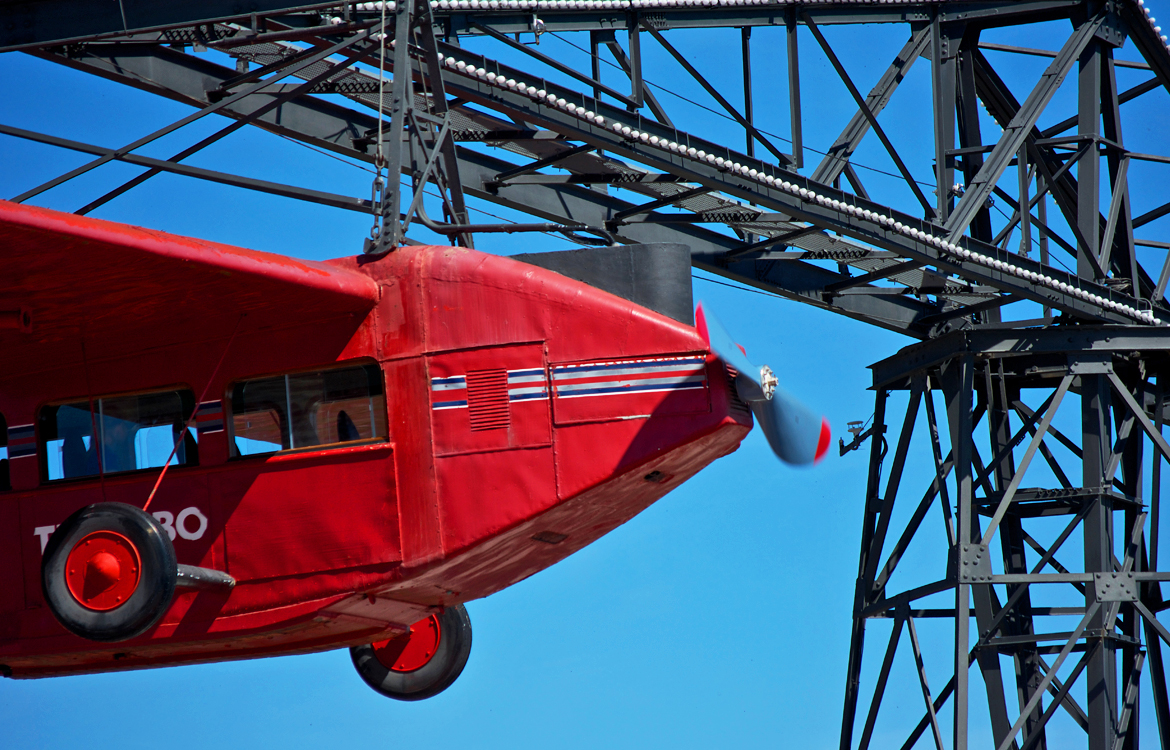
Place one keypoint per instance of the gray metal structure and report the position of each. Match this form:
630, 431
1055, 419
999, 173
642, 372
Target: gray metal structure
999, 318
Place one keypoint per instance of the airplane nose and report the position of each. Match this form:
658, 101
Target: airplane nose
568, 392
642, 383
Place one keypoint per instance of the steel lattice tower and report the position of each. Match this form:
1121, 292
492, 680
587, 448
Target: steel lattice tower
1008, 337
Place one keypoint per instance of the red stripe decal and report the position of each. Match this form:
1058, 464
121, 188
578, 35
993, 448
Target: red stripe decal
823, 443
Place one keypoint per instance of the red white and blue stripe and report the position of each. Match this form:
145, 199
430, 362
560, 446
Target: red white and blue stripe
209, 417
617, 377
523, 385
22, 441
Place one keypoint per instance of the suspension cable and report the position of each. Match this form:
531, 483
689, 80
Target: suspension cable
378, 188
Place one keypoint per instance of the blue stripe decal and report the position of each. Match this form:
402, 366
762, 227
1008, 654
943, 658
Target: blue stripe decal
527, 396
673, 364
633, 388
21, 432
448, 404
22, 441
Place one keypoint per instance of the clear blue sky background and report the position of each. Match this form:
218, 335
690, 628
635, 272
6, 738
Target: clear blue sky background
718, 617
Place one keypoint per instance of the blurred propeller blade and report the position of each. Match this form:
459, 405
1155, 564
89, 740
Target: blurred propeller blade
722, 345
795, 433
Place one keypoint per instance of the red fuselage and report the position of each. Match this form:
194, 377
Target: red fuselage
522, 416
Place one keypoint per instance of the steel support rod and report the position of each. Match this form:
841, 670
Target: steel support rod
836, 159
869, 115
860, 599
980, 187
209, 109
1050, 675
714, 92
936, 734
794, 115
273, 188
251, 117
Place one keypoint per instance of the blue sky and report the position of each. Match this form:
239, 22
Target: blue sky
718, 617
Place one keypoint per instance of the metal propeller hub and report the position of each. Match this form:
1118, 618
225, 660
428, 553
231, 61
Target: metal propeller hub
768, 382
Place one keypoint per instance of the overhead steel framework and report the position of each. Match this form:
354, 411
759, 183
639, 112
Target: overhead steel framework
1061, 301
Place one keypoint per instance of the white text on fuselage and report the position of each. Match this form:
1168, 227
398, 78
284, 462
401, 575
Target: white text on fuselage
189, 524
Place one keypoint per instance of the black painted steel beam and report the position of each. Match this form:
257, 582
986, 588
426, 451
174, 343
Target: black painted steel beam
823, 214
183, 77
161, 165
836, 159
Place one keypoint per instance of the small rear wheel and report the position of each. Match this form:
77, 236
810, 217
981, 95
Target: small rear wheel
109, 572
421, 663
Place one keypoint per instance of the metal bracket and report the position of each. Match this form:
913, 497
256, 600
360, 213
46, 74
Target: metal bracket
1115, 587
193, 577
1112, 31
1082, 367
858, 439
974, 564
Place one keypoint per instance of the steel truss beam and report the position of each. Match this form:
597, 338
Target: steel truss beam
721, 179
983, 377
42, 23
1091, 301
524, 109
183, 77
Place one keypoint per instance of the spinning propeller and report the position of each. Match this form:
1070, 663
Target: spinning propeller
796, 434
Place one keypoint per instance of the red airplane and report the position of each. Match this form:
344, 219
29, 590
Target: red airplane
214, 453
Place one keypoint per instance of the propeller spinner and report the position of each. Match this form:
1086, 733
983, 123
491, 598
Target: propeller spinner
796, 434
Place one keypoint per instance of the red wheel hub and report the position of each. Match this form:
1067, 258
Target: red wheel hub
102, 571
412, 651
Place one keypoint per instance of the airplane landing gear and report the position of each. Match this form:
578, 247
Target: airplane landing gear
109, 572
420, 664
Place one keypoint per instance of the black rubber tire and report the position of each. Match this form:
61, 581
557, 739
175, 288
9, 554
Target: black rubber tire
156, 586
433, 677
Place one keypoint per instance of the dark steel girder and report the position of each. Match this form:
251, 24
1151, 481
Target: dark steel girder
895, 372
863, 108
187, 78
837, 158
26, 24
995, 366
525, 109
718, 180
1147, 42
38, 23
1017, 130
264, 186
1001, 104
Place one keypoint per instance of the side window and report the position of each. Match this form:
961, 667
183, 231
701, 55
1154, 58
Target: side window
307, 409
134, 432
5, 484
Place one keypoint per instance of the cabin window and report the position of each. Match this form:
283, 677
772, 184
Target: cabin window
5, 482
307, 409
134, 432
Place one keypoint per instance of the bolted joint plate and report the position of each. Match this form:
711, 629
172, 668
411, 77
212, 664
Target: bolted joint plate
1090, 367
1112, 31
974, 564
1115, 587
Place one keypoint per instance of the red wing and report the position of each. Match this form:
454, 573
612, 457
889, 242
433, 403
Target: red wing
130, 289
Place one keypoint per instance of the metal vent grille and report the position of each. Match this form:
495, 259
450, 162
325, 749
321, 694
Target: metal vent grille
487, 399
735, 405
